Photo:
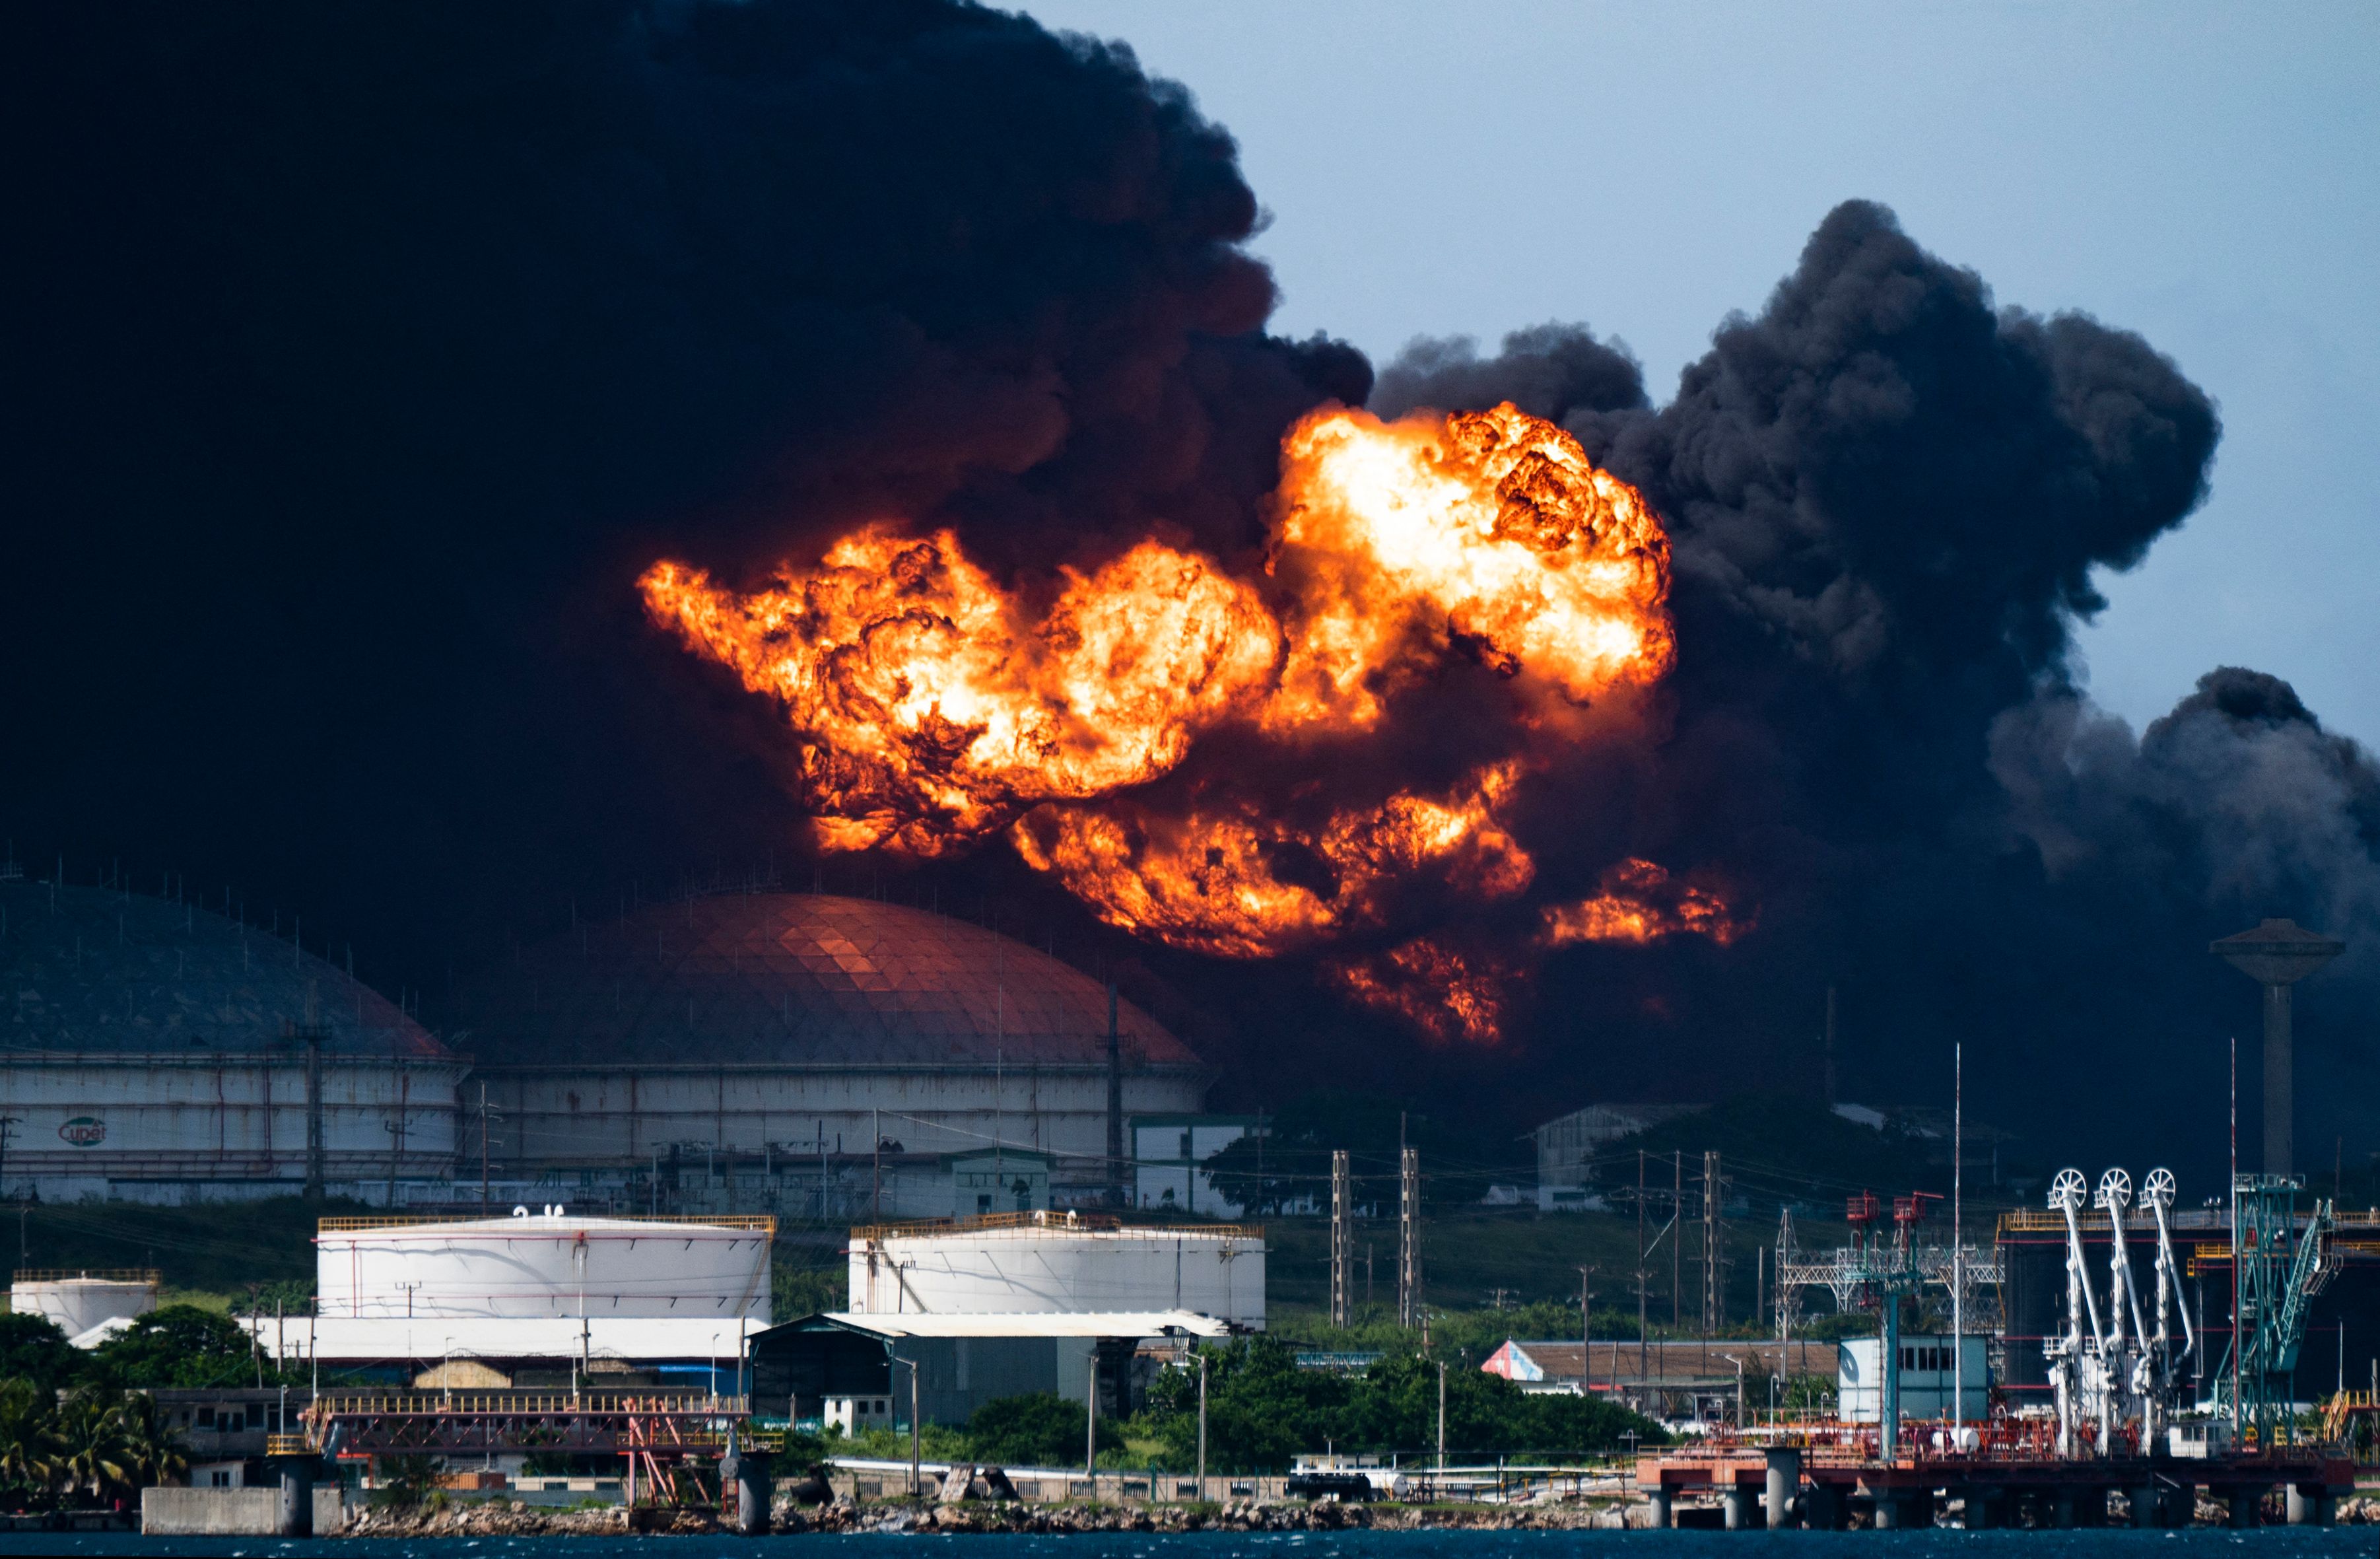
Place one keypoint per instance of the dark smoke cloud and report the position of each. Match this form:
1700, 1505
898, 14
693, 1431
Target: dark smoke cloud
1887, 499
366, 352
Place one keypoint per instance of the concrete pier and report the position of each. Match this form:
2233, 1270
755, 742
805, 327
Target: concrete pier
1784, 1479
294, 1514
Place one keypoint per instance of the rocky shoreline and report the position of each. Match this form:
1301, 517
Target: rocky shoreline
491, 1519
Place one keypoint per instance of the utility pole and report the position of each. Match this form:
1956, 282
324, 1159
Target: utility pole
1678, 1245
1441, 1418
1714, 1257
1091, 1424
1409, 1238
483, 1147
8, 1124
1958, 1266
876, 1166
1341, 1243
1202, 1423
1640, 1264
1586, 1331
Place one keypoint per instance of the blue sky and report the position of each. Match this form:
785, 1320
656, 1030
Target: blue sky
2208, 175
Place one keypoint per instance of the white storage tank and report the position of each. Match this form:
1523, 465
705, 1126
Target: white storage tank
544, 1262
82, 1301
1041, 1263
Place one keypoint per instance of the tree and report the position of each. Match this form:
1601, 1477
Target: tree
1037, 1429
27, 1443
91, 1453
32, 1348
149, 1455
1263, 1410
185, 1346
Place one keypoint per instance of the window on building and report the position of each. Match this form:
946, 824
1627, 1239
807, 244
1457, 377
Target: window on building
207, 1417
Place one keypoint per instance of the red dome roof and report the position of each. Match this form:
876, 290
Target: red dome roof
798, 980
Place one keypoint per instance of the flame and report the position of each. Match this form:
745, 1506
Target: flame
1487, 528
936, 706
1227, 879
935, 713
1640, 902
1445, 992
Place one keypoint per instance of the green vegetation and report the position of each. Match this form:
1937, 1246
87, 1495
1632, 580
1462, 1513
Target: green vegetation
172, 1345
1041, 1429
93, 1447
1263, 1410
795, 1292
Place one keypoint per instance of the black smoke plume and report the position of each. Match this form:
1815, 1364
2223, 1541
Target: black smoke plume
1888, 498
364, 354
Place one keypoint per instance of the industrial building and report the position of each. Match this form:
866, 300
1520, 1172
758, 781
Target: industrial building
980, 1308
1675, 1379
1567, 1145
1940, 1376
162, 1053
1169, 1153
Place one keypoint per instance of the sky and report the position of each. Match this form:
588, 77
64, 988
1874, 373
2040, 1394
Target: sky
2203, 175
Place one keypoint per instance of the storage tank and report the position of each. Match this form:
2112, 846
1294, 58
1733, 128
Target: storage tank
544, 1263
79, 1301
1039, 1263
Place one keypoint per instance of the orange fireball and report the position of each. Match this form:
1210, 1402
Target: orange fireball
933, 706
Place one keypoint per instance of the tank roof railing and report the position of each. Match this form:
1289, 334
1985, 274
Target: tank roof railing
1049, 1222
759, 1221
150, 1275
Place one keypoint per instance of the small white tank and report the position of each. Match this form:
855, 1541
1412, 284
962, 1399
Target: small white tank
543, 1262
78, 1301
1039, 1263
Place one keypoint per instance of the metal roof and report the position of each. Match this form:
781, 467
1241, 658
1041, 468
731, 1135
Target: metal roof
93, 970
1079, 1323
631, 1338
765, 979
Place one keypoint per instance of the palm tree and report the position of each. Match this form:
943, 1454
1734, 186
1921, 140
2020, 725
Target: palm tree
91, 1458
26, 1444
147, 1454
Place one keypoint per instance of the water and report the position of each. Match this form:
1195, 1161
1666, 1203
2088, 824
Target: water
2270, 1542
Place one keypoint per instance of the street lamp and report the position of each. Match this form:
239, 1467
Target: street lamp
912, 1363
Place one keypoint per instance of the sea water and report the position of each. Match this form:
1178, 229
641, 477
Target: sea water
2268, 1542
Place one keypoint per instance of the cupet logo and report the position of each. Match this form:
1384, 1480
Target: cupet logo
84, 1131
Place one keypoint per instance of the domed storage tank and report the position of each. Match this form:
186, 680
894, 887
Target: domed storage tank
748, 1034
543, 1263
159, 1053
79, 1301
